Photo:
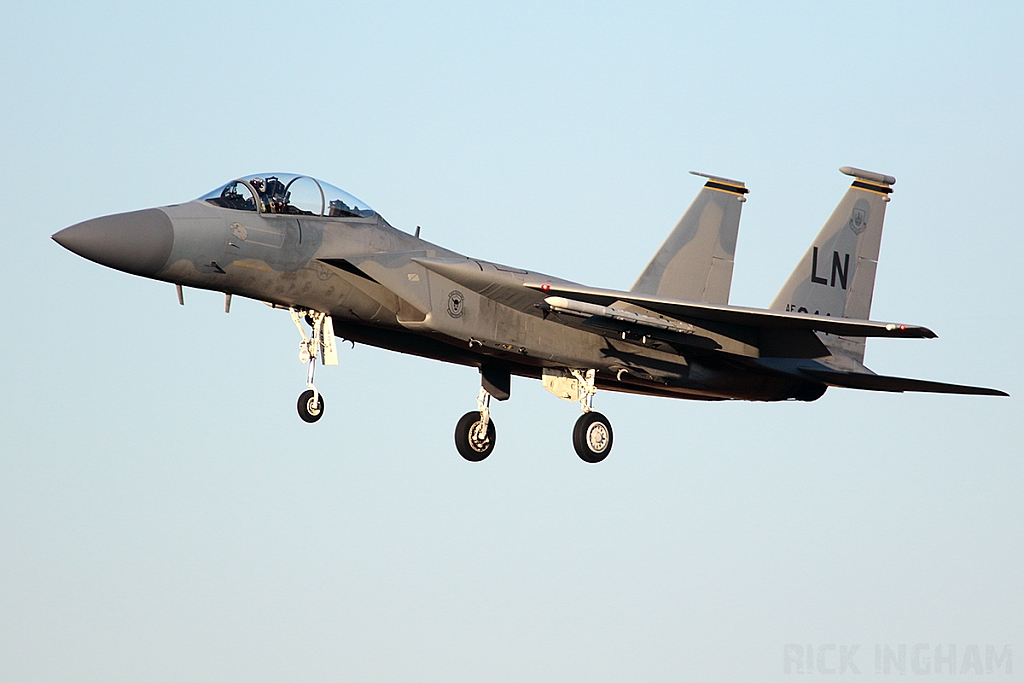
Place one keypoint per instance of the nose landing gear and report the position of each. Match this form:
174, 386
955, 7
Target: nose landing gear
320, 344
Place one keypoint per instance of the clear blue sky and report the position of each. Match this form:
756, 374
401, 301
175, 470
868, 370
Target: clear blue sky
165, 515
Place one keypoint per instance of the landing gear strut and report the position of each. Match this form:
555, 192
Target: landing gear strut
475, 434
320, 344
592, 435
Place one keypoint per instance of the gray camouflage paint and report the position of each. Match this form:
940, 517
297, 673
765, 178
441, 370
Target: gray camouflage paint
696, 260
390, 289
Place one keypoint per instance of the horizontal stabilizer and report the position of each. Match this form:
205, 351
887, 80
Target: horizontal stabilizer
692, 311
855, 380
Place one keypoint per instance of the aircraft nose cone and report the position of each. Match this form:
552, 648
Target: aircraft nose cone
137, 242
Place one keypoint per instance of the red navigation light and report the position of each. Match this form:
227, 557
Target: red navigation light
545, 287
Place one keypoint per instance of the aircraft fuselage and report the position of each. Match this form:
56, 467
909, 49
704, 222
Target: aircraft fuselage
300, 261
302, 245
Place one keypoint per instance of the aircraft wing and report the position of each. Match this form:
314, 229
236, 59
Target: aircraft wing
697, 312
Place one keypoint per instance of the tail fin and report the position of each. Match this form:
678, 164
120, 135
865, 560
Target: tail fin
836, 276
695, 262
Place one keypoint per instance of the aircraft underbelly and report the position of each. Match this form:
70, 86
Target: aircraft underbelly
465, 327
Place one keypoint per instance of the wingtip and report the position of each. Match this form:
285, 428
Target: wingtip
914, 331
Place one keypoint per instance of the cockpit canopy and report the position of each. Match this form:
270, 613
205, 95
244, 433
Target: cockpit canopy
287, 193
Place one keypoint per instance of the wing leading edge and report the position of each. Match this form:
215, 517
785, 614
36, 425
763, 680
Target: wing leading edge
736, 315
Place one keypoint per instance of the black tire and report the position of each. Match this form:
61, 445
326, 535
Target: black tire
307, 410
474, 450
592, 437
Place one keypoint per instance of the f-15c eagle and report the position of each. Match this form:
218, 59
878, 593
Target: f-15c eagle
339, 268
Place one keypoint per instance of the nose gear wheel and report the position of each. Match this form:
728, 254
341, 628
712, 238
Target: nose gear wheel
311, 406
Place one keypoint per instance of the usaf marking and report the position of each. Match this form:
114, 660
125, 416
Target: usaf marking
840, 270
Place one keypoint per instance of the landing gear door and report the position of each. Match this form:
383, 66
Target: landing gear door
330, 347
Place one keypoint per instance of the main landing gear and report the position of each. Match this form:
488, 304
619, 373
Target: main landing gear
592, 437
592, 434
320, 344
475, 434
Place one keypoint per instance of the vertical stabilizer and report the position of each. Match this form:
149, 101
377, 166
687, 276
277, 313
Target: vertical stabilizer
695, 262
836, 276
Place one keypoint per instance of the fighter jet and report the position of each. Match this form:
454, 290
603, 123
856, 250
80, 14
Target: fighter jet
341, 270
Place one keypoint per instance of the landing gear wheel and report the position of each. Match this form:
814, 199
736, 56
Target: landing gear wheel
472, 445
592, 437
308, 410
